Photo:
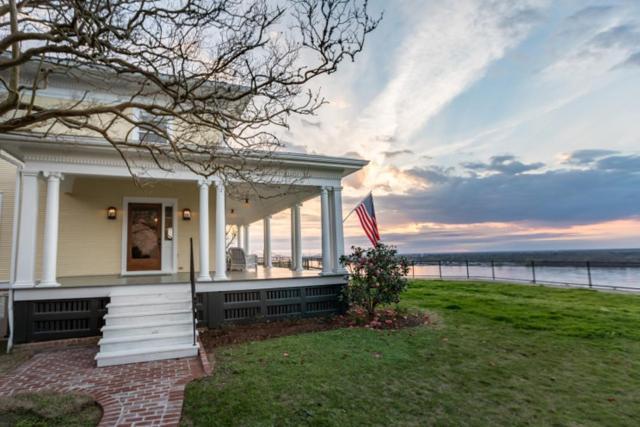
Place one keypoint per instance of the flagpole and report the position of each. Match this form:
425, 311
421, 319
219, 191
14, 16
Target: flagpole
358, 204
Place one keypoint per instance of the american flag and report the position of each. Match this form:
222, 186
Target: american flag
367, 216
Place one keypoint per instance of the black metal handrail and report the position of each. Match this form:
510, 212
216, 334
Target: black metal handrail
192, 279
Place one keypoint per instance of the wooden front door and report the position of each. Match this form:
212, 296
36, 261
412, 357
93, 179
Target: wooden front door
144, 237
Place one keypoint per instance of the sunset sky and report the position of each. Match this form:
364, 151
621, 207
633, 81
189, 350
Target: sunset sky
490, 125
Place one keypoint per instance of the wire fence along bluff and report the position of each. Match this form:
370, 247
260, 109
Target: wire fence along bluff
585, 274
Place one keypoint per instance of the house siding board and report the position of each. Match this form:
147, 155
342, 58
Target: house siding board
7, 188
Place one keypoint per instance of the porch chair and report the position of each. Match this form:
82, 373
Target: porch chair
238, 261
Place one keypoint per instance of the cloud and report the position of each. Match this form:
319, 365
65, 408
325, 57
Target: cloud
625, 35
397, 153
589, 14
620, 163
292, 147
446, 48
632, 61
309, 123
509, 236
505, 164
587, 156
607, 191
353, 155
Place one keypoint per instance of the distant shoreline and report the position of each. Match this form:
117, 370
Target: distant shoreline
566, 257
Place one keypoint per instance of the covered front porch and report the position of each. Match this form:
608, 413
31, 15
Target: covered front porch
77, 225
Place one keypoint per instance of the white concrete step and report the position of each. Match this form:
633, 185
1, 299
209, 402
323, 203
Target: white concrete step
148, 329
148, 343
151, 317
147, 322
144, 355
150, 298
137, 307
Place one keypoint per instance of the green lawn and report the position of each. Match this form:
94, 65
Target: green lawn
499, 355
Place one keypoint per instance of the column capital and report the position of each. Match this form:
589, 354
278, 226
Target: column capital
219, 186
53, 176
30, 173
337, 188
204, 182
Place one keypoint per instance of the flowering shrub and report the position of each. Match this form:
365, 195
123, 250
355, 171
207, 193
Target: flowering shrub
378, 276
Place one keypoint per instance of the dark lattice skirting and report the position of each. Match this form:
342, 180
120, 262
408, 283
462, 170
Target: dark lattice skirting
76, 318
219, 308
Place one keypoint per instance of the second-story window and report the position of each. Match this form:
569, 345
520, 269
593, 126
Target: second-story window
152, 128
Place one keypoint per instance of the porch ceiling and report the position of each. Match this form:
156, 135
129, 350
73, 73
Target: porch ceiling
263, 200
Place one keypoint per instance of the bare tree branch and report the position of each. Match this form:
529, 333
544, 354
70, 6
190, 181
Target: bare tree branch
200, 84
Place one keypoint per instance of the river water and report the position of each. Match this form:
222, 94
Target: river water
601, 277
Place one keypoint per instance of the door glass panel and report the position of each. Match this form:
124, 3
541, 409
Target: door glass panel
144, 248
168, 222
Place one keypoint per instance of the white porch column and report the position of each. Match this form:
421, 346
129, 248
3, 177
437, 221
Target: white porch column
332, 230
293, 238
266, 254
221, 221
338, 229
239, 236
50, 249
203, 238
27, 227
245, 239
297, 237
326, 231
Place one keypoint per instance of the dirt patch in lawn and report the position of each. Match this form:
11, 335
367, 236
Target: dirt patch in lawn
258, 331
49, 409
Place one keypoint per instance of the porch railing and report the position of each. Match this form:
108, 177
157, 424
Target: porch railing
308, 262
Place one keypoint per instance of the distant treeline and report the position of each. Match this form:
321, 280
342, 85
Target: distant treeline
598, 257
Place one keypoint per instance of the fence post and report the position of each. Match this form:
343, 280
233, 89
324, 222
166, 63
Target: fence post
493, 271
589, 273
533, 270
467, 265
413, 269
440, 269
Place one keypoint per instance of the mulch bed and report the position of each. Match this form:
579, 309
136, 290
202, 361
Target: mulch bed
258, 331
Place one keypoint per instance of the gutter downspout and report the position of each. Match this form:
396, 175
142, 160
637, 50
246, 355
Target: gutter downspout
14, 239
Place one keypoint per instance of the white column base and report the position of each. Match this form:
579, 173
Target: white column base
220, 277
23, 285
48, 284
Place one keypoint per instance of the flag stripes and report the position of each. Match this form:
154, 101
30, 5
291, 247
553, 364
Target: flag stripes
367, 216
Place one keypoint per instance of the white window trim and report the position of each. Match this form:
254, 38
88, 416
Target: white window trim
125, 222
135, 134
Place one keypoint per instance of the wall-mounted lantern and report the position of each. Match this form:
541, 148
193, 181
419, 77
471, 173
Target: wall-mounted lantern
233, 211
112, 212
186, 214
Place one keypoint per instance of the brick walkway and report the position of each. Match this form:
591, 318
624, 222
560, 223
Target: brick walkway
139, 394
